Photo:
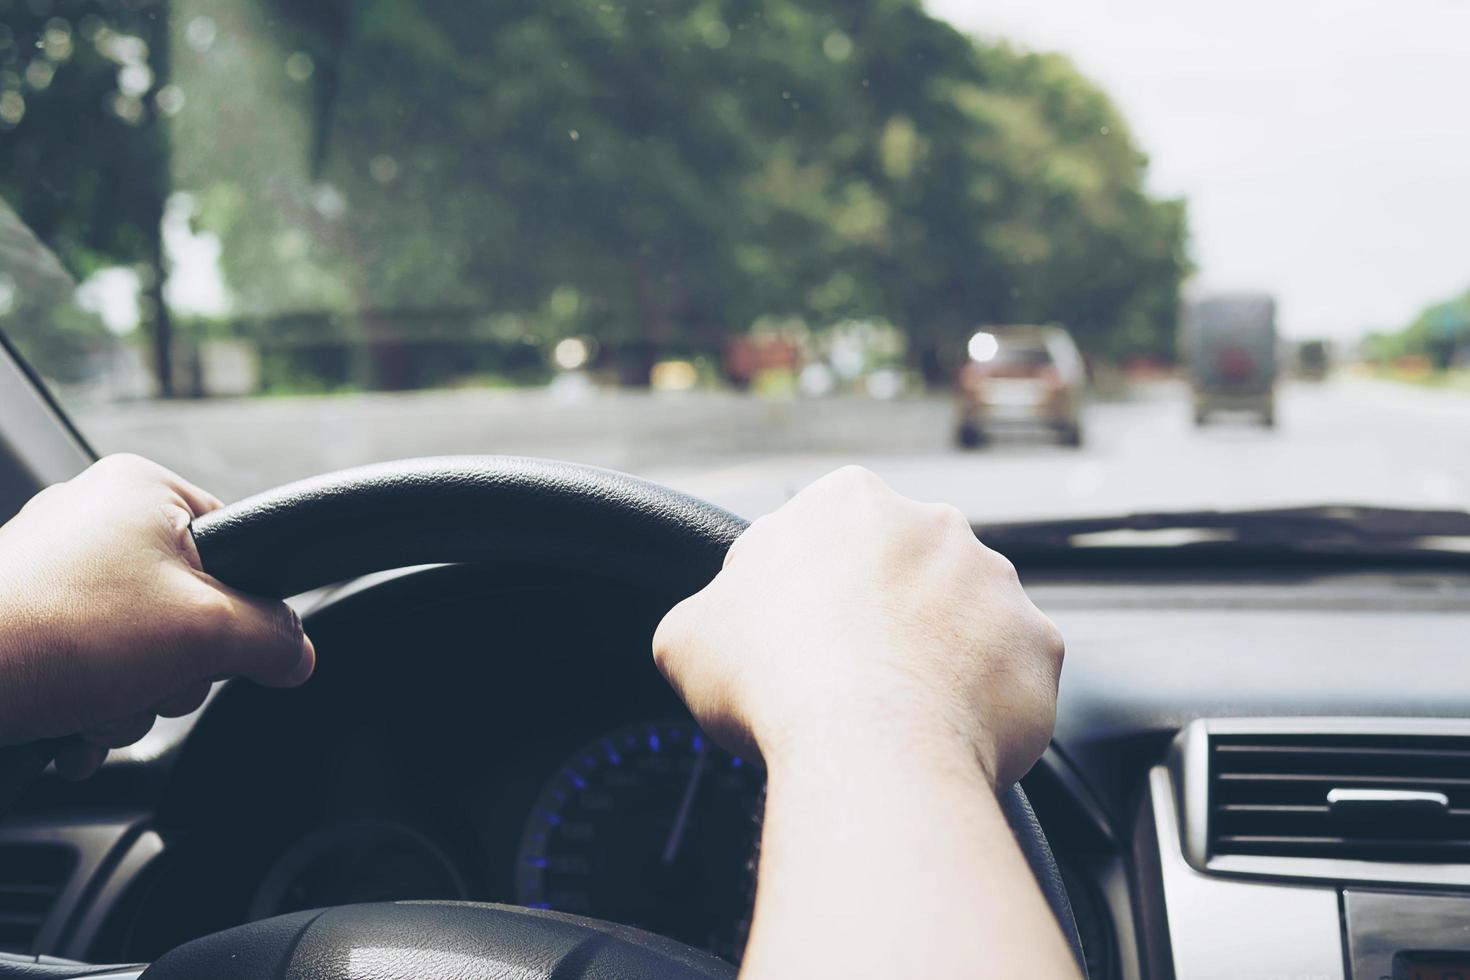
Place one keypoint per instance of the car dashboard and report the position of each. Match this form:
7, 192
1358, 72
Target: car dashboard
503, 736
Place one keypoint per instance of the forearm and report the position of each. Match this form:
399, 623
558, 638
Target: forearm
882, 861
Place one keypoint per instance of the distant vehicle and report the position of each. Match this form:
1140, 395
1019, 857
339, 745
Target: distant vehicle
1019, 377
1313, 360
1228, 346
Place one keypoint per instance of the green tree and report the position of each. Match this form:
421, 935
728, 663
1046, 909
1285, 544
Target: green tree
83, 143
1441, 333
659, 176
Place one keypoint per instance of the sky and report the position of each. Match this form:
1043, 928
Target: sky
1323, 147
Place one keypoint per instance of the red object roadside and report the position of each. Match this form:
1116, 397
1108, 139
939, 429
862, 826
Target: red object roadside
746, 357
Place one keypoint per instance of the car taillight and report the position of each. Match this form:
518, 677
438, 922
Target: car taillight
1235, 364
972, 376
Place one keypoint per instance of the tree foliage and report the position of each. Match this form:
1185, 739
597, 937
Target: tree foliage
658, 174
83, 148
1440, 333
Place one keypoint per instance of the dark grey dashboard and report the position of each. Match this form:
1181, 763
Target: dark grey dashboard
1145, 659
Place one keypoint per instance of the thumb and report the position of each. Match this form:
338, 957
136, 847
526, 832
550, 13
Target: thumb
266, 643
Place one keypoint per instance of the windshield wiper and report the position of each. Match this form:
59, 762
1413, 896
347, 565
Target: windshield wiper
1327, 526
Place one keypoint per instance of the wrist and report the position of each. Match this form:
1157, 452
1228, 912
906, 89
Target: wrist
21, 628
13, 674
829, 743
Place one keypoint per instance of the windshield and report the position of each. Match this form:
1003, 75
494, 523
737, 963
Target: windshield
731, 244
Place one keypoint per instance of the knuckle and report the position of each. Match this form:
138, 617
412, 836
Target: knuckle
667, 637
178, 524
1049, 640
677, 633
1039, 739
954, 516
130, 467
666, 660
663, 658
757, 527
995, 567
117, 463
1000, 566
44, 498
947, 519
743, 543
1055, 642
207, 618
855, 477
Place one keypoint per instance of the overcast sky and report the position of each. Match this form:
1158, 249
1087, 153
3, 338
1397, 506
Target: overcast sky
1324, 147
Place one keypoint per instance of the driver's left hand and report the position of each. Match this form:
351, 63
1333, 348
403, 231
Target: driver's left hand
107, 619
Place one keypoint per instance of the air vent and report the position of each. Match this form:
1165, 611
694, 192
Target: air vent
31, 878
1403, 798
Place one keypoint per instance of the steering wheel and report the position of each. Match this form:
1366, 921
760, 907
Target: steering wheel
512, 511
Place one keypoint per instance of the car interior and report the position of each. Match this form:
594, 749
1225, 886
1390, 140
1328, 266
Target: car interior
669, 263
1219, 805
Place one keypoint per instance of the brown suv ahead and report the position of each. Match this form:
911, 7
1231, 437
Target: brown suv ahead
1021, 377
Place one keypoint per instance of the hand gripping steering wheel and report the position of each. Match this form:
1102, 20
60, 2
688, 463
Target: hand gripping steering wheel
509, 511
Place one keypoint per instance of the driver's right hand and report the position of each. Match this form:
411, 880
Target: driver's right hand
853, 613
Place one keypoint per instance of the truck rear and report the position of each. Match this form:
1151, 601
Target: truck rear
1229, 350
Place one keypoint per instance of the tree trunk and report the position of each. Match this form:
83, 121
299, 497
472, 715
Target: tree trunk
654, 329
159, 323
160, 326
926, 359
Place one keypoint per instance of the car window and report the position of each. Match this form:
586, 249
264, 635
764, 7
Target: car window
1022, 355
729, 245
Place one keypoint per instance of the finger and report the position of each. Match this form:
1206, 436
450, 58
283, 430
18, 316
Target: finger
200, 501
197, 500
124, 731
185, 702
265, 642
180, 521
843, 482
757, 527
673, 632
77, 759
734, 546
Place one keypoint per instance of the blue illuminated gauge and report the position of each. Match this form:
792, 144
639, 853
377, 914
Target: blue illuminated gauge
652, 826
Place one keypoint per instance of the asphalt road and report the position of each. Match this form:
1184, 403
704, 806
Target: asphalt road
1349, 440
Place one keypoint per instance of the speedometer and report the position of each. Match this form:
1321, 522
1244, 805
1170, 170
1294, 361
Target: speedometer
652, 826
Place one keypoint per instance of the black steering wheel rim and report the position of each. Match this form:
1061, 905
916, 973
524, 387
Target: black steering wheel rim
471, 509
468, 509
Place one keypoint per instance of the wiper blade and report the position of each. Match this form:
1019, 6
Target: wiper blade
1326, 524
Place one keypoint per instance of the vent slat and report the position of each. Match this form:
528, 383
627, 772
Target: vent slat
15, 919
1312, 808
32, 877
1347, 841
1269, 797
11, 888
1365, 751
1342, 778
